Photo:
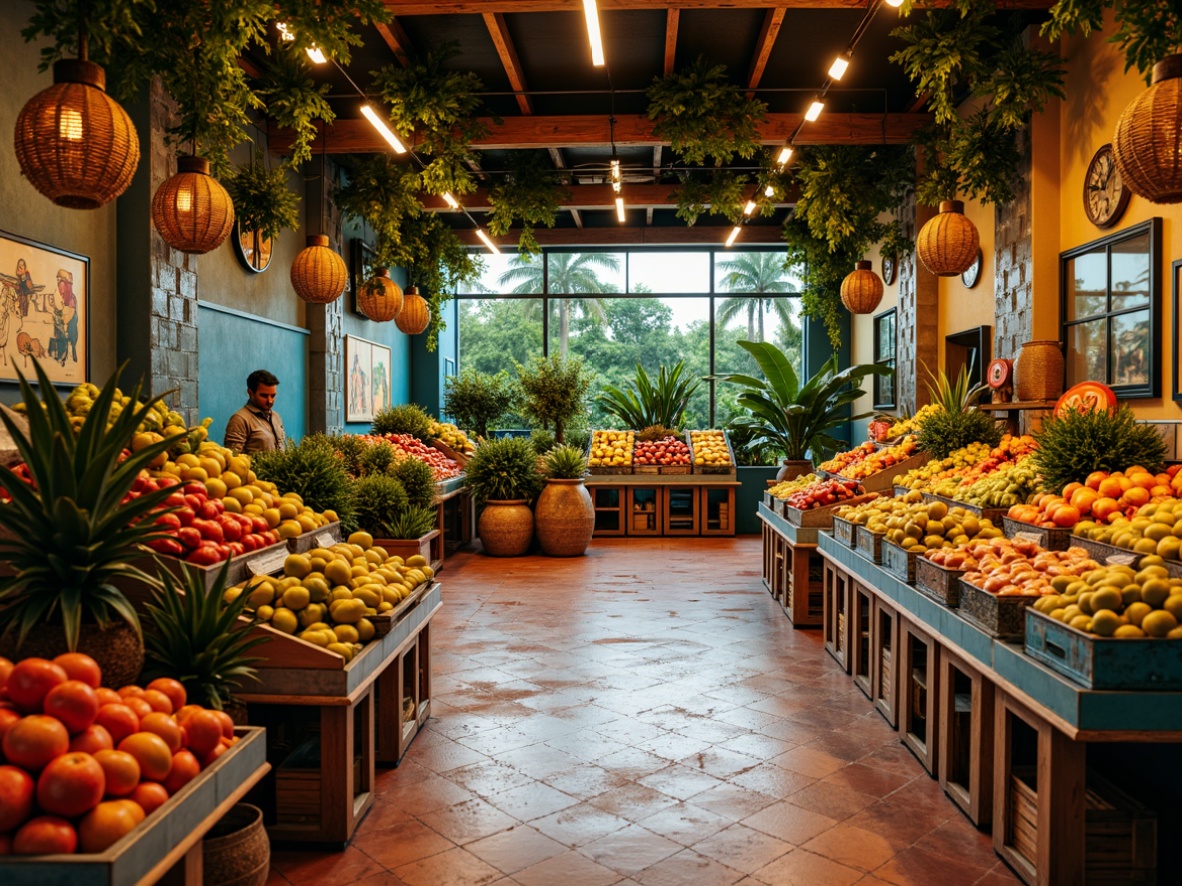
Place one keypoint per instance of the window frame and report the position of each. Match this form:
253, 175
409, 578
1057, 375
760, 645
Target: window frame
880, 360
1152, 227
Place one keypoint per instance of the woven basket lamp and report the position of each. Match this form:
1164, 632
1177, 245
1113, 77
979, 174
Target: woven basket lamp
318, 274
415, 314
191, 210
380, 298
1147, 146
861, 290
947, 245
74, 143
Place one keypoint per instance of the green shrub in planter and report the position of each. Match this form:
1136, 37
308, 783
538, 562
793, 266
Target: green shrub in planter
414, 522
565, 463
504, 469
417, 478
314, 471
406, 419
378, 499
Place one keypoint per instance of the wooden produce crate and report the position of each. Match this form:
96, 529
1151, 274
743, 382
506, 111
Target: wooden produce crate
264, 561
299, 792
884, 480
900, 491
1103, 662
938, 582
845, 532
1044, 536
460, 458
324, 537
899, 561
606, 470
995, 515
869, 544
1106, 553
713, 469
820, 518
1002, 618
169, 836
410, 547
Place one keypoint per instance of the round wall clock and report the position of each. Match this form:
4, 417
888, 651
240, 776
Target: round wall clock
1105, 197
972, 273
889, 267
252, 248
1000, 373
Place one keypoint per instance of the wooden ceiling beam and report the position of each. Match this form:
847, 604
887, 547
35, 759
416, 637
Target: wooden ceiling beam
772, 22
396, 39
589, 197
623, 235
499, 31
578, 130
672, 19
480, 7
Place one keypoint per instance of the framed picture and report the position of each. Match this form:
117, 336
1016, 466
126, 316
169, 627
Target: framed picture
379, 377
362, 266
368, 376
44, 311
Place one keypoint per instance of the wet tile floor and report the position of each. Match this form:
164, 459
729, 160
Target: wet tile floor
645, 715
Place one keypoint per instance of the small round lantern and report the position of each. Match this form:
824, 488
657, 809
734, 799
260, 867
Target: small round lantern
191, 210
318, 274
947, 245
1147, 146
380, 298
74, 143
861, 290
415, 314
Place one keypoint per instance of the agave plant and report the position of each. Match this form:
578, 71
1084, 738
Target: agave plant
647, 403
413, 522
955, 423
195, 636
565, 463
72, 530
794, 418
954, 396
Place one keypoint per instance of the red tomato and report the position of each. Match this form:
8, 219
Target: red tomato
71, 785
80, 667
150, 796
227, 723
174, 689
16, 797
185, 768
30, 680
74, 703
169, 521
137, 704
204, 730
119, 720
163, 725
45, 835
158, 701
35, 740
8, 716
122, 772
5, 670
107, 823
93, 738
108, 696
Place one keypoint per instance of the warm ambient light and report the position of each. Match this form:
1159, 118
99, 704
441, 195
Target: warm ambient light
383, 128
450, 200
591, 12
814, 111
785, 155
894, 3
316, 54
617, 178
769, 191
492, 247
620, 208
731, 239
838, 68
749, 208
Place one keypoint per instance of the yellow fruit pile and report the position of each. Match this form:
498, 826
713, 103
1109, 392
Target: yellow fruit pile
612, 448
785, 488
329, 595
920, 526
1119, 601
924, 478
1155, 528
911, 425
710, 448
451, 436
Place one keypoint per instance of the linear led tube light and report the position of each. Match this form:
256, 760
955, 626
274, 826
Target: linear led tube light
814, 111
450, 200
492, 247
591, 13
894, 3
838, 68
620, 208
749, 208
785, 155
383, 128
730, 241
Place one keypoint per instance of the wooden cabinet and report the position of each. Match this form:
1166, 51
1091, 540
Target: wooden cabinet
884, 655
718, 510
609, 509
918, 685
965, 762
861, 618
645, 510
683, 511
644, 505
836, 592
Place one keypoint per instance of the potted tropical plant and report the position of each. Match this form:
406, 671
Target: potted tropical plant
648, 403
73, 531
503, 476
553, 390
565, 514
795, 418
410, 533
476, 400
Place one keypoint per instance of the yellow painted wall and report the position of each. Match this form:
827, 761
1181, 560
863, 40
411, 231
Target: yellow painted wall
961, 308
862, 343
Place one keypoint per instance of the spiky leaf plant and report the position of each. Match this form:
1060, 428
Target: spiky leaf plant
1074, 444
314, 471
414, 522
379, 499
195, 636
565, 463
957, 422
649, 402
375, 459
70, 534
406, 419
954, 396
417, 478
504, 469
655, 432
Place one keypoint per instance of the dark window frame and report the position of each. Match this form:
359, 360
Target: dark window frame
882, 383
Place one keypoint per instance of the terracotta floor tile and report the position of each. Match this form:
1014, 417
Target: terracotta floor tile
802, 868
633, 802
680, 781
1000, 875
754, 744
456, 867
834, 800
688, 867
630, 850
400, 844
852, 846
426, 796
919, 867
568, 869
531, 801
585, 780
385, 878
789, 822
742, 848
685, 823
868, 779
489, 777
959, 839
809, 761
324, 867
720, 762
516, 849
276, 878
732, 801
579, 824
632, 762
468, 821
767, 778
444, 757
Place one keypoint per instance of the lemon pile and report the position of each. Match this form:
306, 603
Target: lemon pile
710, 448
920, 526
1119, 601
451, 436
612, 448
329, 595
1156, 528
925, 477
785, 488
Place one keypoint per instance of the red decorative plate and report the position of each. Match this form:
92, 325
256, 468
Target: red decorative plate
1087, 396
1001, 373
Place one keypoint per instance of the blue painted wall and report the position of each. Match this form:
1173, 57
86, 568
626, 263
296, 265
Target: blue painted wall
817, 349
387, 334
429, 369
231, 345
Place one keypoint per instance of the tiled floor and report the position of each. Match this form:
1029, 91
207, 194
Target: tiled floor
645, 714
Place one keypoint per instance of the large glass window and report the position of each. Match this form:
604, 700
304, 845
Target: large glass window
1111, 310
884, 355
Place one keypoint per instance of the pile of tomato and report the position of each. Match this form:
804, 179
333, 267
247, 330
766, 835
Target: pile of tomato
445, 468
81, 765
666, 451
824, 493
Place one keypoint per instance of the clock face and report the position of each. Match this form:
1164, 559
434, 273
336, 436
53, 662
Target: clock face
1000, 373
888, 269
1105, 196
973, 272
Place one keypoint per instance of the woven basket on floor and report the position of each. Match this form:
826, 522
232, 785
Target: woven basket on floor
861, 290
191, 210
236, 849
318, 274
947, 245
415, 313
1147, 146
380, 298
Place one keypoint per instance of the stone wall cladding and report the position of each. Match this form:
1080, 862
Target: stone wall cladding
326, 364
1013, 281
906, 367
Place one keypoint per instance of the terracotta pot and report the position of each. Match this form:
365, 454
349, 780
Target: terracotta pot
118, 650
790, 470
565, 518
1038, 372
506, 527
236, 849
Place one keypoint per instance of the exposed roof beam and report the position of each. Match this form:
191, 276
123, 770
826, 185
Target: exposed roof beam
672, 18
453, 7
636, 236
763, 47
396, 39
563, 131
589, 197
499, 31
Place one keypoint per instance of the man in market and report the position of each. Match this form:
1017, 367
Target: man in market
257, 426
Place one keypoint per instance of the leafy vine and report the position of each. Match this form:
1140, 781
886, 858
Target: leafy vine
529, 193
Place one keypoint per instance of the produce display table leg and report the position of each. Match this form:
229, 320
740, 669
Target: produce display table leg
424, 676
802, 592
918, 684
1039, 785
770, 558
884, 656
862, 623
966, 737
189, 871
836, 590
403, 698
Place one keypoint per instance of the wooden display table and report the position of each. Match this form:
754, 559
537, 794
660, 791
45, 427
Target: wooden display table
1012, 412
456, 518
797, 570
663, 504
168, 842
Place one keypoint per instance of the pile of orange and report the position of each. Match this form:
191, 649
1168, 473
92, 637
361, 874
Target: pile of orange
1104, 497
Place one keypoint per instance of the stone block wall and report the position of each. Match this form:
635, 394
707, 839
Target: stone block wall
326, 357
918, 319
1013, 281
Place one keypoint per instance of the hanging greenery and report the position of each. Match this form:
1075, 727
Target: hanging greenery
262, 200
702, 115
384, 193
437, 262
295, 101
1145, 32
959, 50
717, 192
529, 193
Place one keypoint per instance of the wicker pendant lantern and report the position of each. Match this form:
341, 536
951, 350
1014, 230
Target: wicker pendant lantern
191, 210
318, 274
947, 245
415, 314
1147, 146
380, 298
74, 143
861, 290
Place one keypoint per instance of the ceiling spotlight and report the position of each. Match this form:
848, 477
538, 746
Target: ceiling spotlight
749, 208
785, 155
316, 54
383, 128
894, 3
617, 177
838, 68
591, 13
620, 208
769, 191
814, 111
730, 241
492, 247
450, 200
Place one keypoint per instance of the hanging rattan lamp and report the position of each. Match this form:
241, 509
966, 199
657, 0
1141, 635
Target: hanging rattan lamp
861, 290
415, 314
318, 274
74, 143
947, 245
191, 210
1147, 146
380, 298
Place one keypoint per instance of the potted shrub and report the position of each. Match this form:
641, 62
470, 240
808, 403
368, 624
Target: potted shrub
553, 390
378, 500
410, 533
957, 422
477, 400
408, 418
503, 476
648, 403
313, 470
565, 514
72, 532
797, 418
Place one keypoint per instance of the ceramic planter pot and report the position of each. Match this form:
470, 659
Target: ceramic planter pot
506, 527
790, 470
565, 518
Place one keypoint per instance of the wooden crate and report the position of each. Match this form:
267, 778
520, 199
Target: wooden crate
460, 458
298, 789
1103, 662
884, 656
861, 618
869, 544
884, 480
938, 582
836, 600
607, 469
1003, 618
1044, 536
803, 599
324, 537
264, 561
821, 518
919, 687
899, 561
402, 699
845, 532
995, 515
713, 469
410, 547
965, 757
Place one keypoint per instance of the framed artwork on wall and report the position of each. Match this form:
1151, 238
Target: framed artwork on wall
361, 268
379, 378
44, 311
368, 376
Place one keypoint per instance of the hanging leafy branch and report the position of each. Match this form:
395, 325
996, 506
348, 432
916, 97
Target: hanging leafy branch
1146, 30
262, 200
529, 193
330, 27
384, 193
437, 262
703, 115
294, 100
717, 192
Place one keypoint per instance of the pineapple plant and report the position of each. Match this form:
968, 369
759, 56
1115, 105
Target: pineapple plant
955, 422
411, 522
1073, 445
565, 463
